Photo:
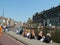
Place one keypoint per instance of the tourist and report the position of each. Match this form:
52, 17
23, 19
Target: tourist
47, 38
32, 36
24, 33
40, 35
28, 34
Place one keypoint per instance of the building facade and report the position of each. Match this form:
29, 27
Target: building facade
6, 21
49, 17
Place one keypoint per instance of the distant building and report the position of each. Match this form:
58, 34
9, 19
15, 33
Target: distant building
49, 17
11, 22
6, 21
2, 20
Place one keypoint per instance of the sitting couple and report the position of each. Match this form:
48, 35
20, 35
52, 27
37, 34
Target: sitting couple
46, 38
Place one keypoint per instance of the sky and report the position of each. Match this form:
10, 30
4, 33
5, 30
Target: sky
21, 10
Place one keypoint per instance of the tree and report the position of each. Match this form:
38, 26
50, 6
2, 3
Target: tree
29, 22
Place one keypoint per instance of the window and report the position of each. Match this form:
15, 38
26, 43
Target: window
59, 14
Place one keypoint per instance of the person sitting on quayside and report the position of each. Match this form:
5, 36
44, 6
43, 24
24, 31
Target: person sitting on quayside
32, 34
24, 33
21, 31
28, 34
40, 35
43, 37
17, 31
47, 38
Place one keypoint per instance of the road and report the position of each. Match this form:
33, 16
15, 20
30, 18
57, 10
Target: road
7, 40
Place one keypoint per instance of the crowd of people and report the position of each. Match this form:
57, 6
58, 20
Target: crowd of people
31, 35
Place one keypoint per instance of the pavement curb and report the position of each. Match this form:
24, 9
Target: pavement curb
27, 41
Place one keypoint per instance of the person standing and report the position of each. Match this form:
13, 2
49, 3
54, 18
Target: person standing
1, 31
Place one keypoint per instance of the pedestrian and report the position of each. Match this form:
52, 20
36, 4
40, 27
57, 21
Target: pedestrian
1, 31
4, 27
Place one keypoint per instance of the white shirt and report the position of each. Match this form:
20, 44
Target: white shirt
28, 34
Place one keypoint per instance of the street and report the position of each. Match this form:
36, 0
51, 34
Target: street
7, 40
